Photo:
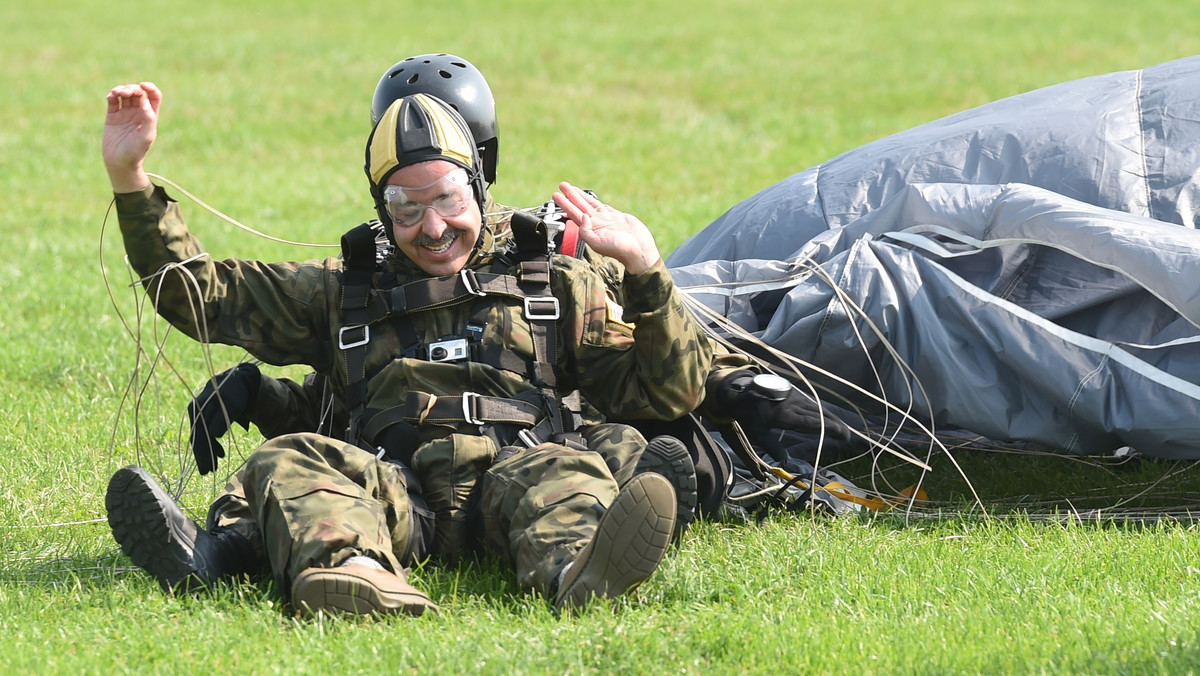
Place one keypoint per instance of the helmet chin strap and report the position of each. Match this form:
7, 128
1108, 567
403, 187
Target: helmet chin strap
477, 250
479, 190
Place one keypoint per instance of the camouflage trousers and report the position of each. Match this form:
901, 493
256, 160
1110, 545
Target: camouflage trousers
307, 500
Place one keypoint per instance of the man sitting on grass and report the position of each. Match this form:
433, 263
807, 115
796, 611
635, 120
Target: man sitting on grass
466, 348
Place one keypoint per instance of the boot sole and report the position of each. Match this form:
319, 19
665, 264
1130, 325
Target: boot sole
630, 542
673, 462
139, 514
329, 589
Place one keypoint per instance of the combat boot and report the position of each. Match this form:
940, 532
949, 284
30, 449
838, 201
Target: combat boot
357, 589
160, 539
667, 456
630, 541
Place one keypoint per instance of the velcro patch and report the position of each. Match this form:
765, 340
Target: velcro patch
616, 313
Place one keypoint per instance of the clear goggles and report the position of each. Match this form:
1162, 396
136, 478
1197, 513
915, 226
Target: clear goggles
453, 196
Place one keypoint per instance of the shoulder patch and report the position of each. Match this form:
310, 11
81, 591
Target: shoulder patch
616, 313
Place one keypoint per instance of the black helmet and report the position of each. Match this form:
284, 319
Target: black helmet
419, 128
455, 81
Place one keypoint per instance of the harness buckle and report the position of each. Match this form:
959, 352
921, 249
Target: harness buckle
470, 404
469, 280
541, 307
528, 438
345, 344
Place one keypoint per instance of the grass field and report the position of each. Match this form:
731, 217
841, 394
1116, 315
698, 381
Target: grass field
672, 111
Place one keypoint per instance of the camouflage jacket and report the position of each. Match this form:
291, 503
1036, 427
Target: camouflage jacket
649, 360
284, 406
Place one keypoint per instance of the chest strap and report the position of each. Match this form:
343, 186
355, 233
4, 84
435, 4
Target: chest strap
363, 306
430, 294
523, 412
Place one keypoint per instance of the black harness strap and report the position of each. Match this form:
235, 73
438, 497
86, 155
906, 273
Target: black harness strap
540, 415
542, 312
474, 409
438, 292
524, 411
541, 307
359, 247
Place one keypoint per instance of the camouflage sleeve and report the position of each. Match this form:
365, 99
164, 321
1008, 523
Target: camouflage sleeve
277, 312
724, 360
612, 272
646, 360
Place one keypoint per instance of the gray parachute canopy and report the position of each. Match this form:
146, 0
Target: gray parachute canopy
1033, 262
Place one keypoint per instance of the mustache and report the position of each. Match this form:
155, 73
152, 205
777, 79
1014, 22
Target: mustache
425, 240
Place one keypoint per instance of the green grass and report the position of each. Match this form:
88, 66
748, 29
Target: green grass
673, 111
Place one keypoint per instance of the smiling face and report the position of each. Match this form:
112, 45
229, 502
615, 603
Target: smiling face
439, 245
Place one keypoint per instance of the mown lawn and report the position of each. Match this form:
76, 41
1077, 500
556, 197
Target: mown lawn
673, 111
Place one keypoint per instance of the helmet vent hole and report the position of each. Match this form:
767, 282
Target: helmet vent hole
445, 74
414, 78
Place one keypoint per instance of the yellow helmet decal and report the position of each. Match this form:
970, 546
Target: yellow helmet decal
383, 144
441, 133
456, 139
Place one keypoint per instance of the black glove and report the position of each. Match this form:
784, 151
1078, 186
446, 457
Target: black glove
228, 396
760, 410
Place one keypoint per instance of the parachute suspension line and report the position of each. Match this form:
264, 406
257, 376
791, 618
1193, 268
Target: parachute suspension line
715, 318
131, 391
234, 222
180, 268
743, 288
909, 382
853, 309
792, 362
112, 441
187, 468
148, 361
1181, 467
955, 442
135, 333
906, 415
779, 473
325, 417
506, 212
